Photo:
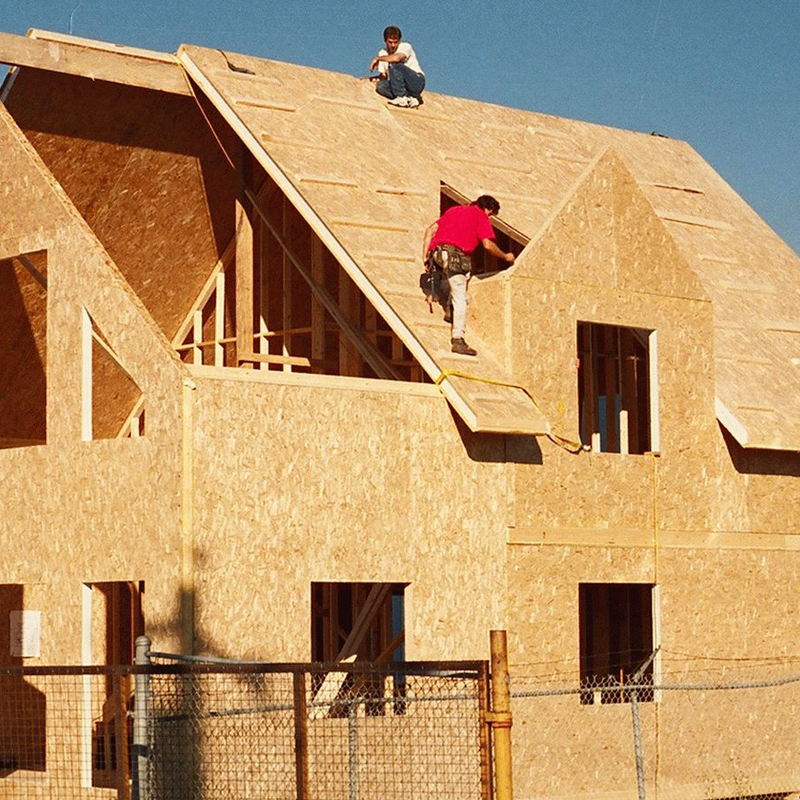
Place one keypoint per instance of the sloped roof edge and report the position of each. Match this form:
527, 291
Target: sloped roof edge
431, 367
87, 58
730, 423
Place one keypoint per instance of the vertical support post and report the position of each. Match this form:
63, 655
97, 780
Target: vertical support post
197, 335
500, 715
141, 716
244, 261
286, 319
624, 447
219, 320
300, 734
352, 748
637, 744
121, 735
86, 376
484, 739
317, 309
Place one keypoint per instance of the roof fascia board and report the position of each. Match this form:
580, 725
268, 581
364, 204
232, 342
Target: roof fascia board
326, 236
730, 423
113, 65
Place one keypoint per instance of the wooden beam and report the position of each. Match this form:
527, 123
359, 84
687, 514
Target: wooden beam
98, 63
371, 355
266, 358
86, 376
363, 622
244, 257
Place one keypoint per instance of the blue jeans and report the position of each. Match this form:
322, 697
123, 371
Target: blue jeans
402, 82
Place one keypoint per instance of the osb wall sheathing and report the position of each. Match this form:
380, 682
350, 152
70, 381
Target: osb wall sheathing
146, 174
71, 511
718, 608
301, 483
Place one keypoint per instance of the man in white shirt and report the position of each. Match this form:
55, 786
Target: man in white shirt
401, 78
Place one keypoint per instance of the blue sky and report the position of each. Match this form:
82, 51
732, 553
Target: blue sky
722, 74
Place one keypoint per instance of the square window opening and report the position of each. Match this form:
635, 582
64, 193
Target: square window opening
616, 385
363, 621
616, 622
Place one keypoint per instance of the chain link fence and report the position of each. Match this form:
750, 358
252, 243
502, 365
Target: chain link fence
180, 731
689, 733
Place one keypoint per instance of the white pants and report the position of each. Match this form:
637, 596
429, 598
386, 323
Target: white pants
458, 295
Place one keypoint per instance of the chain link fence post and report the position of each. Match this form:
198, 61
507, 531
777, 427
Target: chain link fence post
300, 734
141, 713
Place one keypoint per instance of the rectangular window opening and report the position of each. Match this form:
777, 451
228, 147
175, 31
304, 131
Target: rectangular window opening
115, 619
616, 386
365, 622
617, 624
23, 350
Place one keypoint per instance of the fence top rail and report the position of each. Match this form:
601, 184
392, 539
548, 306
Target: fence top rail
437, 669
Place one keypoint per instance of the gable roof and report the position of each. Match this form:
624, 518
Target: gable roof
368, 178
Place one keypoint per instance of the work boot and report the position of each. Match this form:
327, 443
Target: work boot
448, 314
461, 347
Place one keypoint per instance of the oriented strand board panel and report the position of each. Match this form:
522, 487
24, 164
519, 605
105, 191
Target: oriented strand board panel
95, 60
717, 608
324, 132
145, 173
313, 478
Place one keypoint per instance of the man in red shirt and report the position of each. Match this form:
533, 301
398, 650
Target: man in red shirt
450, 241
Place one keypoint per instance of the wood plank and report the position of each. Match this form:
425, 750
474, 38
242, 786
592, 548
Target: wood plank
219, 320
244, 258
92, 62
361, 625
267, 358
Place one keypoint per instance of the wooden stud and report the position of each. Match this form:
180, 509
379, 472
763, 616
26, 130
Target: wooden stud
287, 291
86, 376
219, 320
317, 309
244, 258
197, 332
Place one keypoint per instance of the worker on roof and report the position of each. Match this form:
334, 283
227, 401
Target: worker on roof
448, 243
400, 78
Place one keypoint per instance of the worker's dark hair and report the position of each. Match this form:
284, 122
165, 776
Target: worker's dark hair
487, 201
394, 31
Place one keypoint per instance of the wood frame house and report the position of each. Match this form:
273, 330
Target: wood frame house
229, 419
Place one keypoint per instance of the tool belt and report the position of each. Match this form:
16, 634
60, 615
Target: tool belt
453, 260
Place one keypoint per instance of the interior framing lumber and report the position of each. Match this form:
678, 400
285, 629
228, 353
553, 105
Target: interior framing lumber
92, 62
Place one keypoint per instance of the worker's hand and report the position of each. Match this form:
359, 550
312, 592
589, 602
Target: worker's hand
373, 63
509, 257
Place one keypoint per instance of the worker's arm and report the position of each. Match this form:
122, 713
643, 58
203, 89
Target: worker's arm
430, 232
492, 248
395, 58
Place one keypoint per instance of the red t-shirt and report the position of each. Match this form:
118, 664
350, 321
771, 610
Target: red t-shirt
463, 226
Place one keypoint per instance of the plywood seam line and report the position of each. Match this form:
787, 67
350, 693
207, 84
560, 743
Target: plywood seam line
186, 584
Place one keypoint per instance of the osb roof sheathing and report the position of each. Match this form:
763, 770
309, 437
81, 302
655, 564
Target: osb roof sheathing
372, 174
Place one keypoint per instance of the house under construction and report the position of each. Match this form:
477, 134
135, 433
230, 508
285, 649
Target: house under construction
229, 419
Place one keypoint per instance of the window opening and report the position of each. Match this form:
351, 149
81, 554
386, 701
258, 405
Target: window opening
363, 621
23, 350
616, 637
22, 715
614, 388
113, 404
116, 619
507, 238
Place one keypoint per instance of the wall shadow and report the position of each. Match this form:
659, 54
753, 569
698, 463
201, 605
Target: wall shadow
760, 462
